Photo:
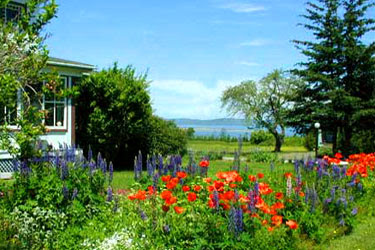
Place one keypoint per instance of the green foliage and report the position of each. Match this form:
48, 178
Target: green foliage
116, 114
339, 71
260, 136
259, 155
310, 141
167, 138
325, 150
22, 58
364, 141
190, 132
266, 102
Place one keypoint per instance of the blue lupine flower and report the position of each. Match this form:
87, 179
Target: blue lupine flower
110, 172
150, 168
64, 170
236, 195
354, 211
360, 186
109, 194
65, 192
216, 199
256, 188
89, 155
166, 229
236, 220
342, 222
16, 164
75, 193
143, 215
155, 180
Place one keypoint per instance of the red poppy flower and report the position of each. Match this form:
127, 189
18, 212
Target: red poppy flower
207, 180
278, 205
288, 175
229, 176
279, 195
232, 185
165, 178
292, 224
197, 188
171, 200
165, 208
270, 229
260, 175
264, 188
192, 196
166, 194
204, 163
181, 175
252, 178
264, 222
301, 194
140, 195
185, 188
338, 155
151, 190
277, 220
178, 210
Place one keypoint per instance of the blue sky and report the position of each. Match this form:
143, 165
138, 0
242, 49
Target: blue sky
192, 49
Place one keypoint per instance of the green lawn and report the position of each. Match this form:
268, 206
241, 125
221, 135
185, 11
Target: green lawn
230, 147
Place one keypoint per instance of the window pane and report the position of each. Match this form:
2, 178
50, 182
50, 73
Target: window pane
60, 108
49, 107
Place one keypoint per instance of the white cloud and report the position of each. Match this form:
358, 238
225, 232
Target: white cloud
188, 99
250, 64
255, 43
242, 7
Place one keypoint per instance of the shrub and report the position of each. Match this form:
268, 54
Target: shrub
167, 138
310, 141
258, 155
364, 141
53, 193
260, 136
114, 114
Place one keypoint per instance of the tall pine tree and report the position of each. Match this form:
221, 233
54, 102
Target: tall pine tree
338, 71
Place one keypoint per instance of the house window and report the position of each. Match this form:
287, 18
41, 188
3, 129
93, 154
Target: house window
55, 108
11, 12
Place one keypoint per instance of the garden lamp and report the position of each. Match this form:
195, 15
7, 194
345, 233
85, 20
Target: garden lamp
317, 126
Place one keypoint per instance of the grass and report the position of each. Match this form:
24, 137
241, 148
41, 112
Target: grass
230, 147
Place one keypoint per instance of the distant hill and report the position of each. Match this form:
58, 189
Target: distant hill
218, 122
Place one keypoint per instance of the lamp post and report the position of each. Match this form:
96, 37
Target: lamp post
317, 126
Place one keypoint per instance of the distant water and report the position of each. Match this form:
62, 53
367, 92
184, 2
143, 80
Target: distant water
218, 130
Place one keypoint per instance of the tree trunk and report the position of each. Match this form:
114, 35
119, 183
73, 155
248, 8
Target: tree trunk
279, 138
334, 142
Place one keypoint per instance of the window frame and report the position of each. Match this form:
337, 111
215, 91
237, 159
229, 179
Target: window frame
54, 102
12, 6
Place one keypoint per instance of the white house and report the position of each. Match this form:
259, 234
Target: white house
60, 121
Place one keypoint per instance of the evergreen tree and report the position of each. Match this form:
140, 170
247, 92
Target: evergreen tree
338, 71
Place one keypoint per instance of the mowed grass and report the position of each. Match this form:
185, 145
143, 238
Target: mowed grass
125, 179
230, 147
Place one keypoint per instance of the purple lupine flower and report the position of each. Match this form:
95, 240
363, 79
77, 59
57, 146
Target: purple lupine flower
109, 194
110, 172
360, 187
333, 192
354, 211
150, 168
92, 167
99, 160
25, 170
256, 188
103, 167
236, 195
296, 166
351, 198
65, 192
320, 171
343, 171
75, 193
143, 215
289, 187
313, 198
155, 180
166, 229
342, 222
64, 170
89, 155
327, 201
161, 171
239, 220
307, 194
216, 199
16, 165
235, 220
